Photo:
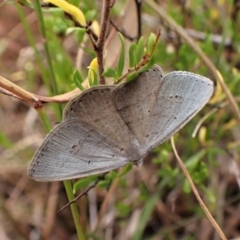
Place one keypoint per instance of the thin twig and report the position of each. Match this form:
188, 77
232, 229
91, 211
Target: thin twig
138, 4
123, 32
200, 122
18, 92
107, 4
3, 91
104, 23
215, 109
212, 111
53, 83
13, 90
144, 61
203, 206
84, 192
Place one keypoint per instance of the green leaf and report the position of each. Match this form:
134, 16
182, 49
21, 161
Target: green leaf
104, 183
110, 72
139, 50
194, 160
121, 58
151, 41
151, 62
131, 76
186, 186
123, 209
201, 173
132, 55
90, 14
84, 182
78, 80
93, 81
209, 194
70, 30
80, 35
111, 175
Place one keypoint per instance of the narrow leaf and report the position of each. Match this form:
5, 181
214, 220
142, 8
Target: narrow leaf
150, 63
131, 76
79, 33
121, 58
110, 72
78, 80
131, 54
92, 77
194, 160
139, 50
84, 182
151, 41
104, 183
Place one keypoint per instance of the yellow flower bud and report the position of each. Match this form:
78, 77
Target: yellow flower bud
95, 27
70, 9
92, 67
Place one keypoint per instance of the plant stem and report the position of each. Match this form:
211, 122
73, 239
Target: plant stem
32, 43
99, 48
67, 183
54, 88
80, 233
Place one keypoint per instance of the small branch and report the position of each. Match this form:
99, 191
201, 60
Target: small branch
3, 91
84, 192
144, 61
99, 53
34, 100
123, 32
41, 24
215, 109
99, 48
13, 90
98, 44
62, 98
201, 121
104, 23
203, 206
139, 19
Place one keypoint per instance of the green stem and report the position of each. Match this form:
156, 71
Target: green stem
80, 232
41, 24
33, 44
44, 118
54, 89
67, 183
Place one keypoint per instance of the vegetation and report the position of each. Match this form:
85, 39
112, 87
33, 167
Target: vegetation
52, 47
